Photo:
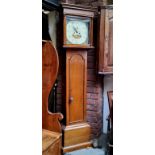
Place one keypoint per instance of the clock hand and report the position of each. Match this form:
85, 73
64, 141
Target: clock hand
75, 29
78, 32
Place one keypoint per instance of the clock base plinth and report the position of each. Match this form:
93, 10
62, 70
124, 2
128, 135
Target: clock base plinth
77, 147
76, 137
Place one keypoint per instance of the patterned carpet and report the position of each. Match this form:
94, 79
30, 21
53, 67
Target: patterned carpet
89, 151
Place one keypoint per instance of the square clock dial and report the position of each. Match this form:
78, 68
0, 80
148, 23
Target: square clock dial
77, 30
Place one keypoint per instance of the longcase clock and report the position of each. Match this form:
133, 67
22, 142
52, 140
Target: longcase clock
77, 40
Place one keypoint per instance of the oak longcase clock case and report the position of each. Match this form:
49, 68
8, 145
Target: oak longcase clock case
77, 40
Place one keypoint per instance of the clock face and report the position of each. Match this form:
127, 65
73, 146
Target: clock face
77, 31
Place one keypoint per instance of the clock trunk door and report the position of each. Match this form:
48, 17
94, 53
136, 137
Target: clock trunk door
76, 86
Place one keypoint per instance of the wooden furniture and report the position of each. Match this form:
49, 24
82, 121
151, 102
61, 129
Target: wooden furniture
50, 63
77, 39
110, 123
51, 141
105, 40
110, 101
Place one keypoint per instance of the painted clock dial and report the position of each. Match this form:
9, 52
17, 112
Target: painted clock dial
77, 31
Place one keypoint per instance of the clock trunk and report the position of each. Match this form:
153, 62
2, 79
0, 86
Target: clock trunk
76, 130
76, 67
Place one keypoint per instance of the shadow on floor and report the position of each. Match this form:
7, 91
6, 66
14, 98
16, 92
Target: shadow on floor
87, 151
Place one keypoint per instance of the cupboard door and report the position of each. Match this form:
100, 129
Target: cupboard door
105, 42
110, 39
76, 85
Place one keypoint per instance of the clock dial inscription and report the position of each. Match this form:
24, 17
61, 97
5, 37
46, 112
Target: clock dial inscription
77, 31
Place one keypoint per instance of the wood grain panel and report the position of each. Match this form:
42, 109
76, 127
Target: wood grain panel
51, 143
76, 62
110, 42
105, 41
76, 88
50, 65
76, 134
77, 147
